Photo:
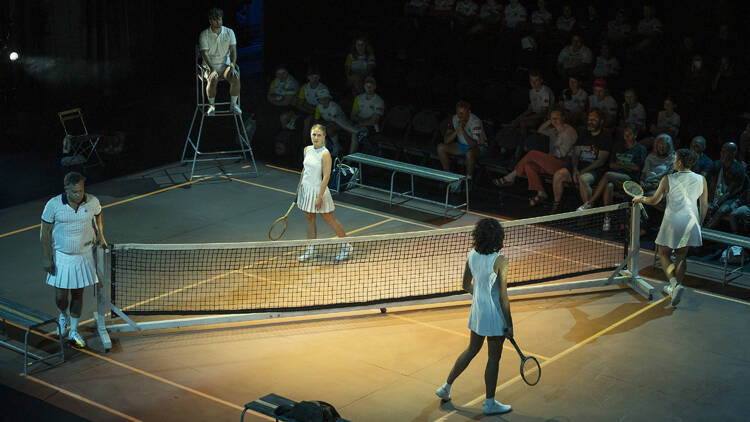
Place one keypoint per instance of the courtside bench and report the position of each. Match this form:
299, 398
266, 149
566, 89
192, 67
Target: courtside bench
27, 319
413, 171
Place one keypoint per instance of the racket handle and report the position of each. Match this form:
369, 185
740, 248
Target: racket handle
643, 211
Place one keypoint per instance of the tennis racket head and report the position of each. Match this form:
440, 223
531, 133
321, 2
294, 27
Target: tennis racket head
278, 228
632, 188
531, 371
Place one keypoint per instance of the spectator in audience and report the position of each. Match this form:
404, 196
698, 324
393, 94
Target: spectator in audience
619, 30
467, 12
626, 162
590, 27
333, 118
562, 137
307, 99
739, 219
667, 121
725, 88
604, 102
465, 136
650, 25
566, 22
515, 15
745, 144
541, 98
704, 164
367, 112
587, 160
727, 180
443, 9
359, 64
606, 65
541, 18
283, 88
575, 100
658, 163
491, 13
574, 58
633, 112
695, 88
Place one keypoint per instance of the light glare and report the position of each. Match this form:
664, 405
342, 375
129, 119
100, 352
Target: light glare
13, 56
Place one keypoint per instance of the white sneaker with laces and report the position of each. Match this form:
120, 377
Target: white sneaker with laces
62, 330
443, 393
346, 250
495, 408
77, 339
211, 110
585, 206
308, 254
236, 109
606, 224
676, 294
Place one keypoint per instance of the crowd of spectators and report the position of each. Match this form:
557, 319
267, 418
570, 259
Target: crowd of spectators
590, 95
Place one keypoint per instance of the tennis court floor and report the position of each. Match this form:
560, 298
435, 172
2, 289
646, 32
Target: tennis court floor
606, 355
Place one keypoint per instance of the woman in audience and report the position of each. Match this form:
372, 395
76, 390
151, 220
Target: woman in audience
359, 64
574, 100
658, 163
667, 121
681, 226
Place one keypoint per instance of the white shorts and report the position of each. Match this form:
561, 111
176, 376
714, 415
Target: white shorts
73, 271
219, 69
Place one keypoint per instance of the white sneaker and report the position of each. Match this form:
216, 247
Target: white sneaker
676, 294
585, 206
308, 254
443, 393
346, 250
77, 339
495, 408
236, 109
667, 289
211, 110
606, 224
62, 330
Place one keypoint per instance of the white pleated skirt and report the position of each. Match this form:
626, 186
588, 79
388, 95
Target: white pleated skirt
306, 199
73, 271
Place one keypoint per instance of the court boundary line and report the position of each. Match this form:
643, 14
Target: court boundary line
560, 355
727, 298
82, 399
190, 182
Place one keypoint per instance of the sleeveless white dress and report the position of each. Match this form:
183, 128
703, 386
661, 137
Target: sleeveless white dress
486, 317
681, 224
312, 177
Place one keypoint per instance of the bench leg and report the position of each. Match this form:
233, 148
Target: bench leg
390, 193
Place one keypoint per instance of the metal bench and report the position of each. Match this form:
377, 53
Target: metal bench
729, 239
27, 319
412, 170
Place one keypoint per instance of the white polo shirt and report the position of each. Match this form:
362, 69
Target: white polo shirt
473, 128
359, 64
330, 113
310, 94
618, 32
539, 17
637, 116
669, 122
72, 231
281, 89
570, 57
367, 107
539, 100
649, 26
606, 67
514, 15
217, 45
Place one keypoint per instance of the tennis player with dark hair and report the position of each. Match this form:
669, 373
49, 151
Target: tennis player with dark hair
490, 310
313, 196
681, 226
67, 236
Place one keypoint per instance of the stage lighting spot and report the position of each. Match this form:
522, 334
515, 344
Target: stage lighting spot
13, 56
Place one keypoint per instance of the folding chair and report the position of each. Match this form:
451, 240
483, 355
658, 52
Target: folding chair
223, 109
78, 141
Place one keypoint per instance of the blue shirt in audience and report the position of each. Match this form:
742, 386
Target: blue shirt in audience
703, 165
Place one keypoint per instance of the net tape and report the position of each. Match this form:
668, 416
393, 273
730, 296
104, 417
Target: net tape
221, 278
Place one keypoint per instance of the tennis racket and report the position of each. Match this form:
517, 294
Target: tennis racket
531, 371
278, 228
634, 189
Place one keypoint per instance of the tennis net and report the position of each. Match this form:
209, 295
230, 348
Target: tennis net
268, 277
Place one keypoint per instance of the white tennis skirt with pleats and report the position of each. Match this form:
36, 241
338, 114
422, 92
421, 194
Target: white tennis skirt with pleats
73, 271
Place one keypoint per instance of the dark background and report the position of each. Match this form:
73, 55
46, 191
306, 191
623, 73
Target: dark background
129, 64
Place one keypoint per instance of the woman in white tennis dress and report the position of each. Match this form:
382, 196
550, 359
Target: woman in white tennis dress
313, 196
490, 310
681, 226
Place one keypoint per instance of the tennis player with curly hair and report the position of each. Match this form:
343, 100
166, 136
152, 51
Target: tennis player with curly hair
490, 310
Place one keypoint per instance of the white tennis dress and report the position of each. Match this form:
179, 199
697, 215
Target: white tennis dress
681, 224
486, 316
312, 177
72, 241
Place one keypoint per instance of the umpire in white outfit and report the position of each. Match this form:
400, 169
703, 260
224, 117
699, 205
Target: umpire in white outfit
68, 234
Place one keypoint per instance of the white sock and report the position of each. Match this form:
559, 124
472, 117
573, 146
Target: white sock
447, 387
672, 282
233, 98
211, 100
73, 324
489, 401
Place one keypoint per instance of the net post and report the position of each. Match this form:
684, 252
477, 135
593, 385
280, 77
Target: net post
103, 270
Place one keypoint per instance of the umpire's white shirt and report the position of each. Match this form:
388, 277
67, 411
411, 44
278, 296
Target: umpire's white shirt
73, 232
217, 46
